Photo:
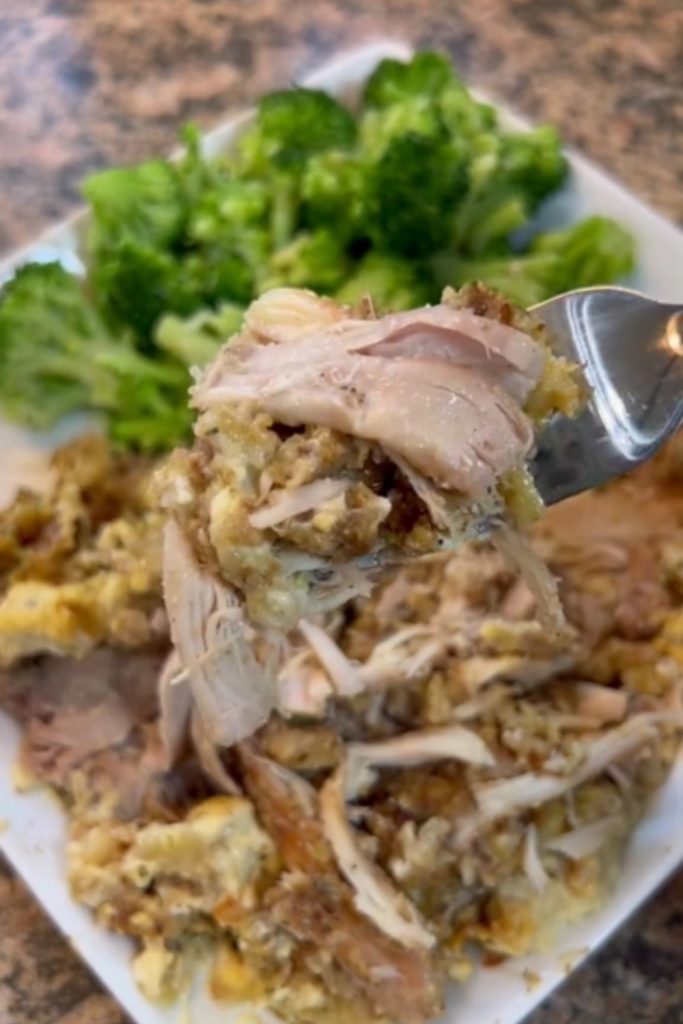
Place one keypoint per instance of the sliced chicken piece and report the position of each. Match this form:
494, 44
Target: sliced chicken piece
89, 728
447, 421
316, 906
285, 314
505, 355
605, 704
311, 838
441, 386
374, 893
446, 742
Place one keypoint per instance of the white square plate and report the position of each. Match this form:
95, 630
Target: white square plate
32, 826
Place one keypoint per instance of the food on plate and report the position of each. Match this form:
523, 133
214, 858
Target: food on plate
329, 442
318, 714
414, 187
450, 777
81, 565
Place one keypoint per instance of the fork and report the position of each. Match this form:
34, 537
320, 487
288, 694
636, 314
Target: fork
630, 349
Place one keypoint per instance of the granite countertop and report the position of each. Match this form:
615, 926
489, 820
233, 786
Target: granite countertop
86, 83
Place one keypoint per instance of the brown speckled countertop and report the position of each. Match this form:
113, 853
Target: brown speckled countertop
85, 83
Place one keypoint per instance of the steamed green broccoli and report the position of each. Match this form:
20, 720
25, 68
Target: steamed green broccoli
227, 242
228, 204
196, 339
393, 81
201, 239
421, 187
290, 126
509, 176
423, 96
389, 281
415, 188
534, 162
135, 283
334, 193
595, 251
145, 203
57, 355
315, 260
501, 177
378, 128
299, 122
462, 115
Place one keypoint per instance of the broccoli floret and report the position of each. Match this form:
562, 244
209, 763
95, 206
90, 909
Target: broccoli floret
57, 355
379, 128
228, 241
415, 188
135, 283
509, 176
533, 161
334, 193
394, 81
145, 203
423, 96
595, 251
226, 206
391, 283
196, 339
462, 115
486, 221
221, 272
313, 260
299, 122
224, 244
197, 175
290, 126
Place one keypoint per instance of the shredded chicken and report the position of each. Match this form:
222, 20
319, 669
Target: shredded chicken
508, 797
584, 840
234, 693
374, 895
430, 776
355, 441
175, 702
533, 865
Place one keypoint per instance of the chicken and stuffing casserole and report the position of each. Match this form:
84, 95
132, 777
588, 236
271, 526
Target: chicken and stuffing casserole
331, 441
432, 774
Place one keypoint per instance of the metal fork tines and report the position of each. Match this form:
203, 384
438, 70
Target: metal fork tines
630, 349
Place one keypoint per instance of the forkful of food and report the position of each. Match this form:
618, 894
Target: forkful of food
332, 442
